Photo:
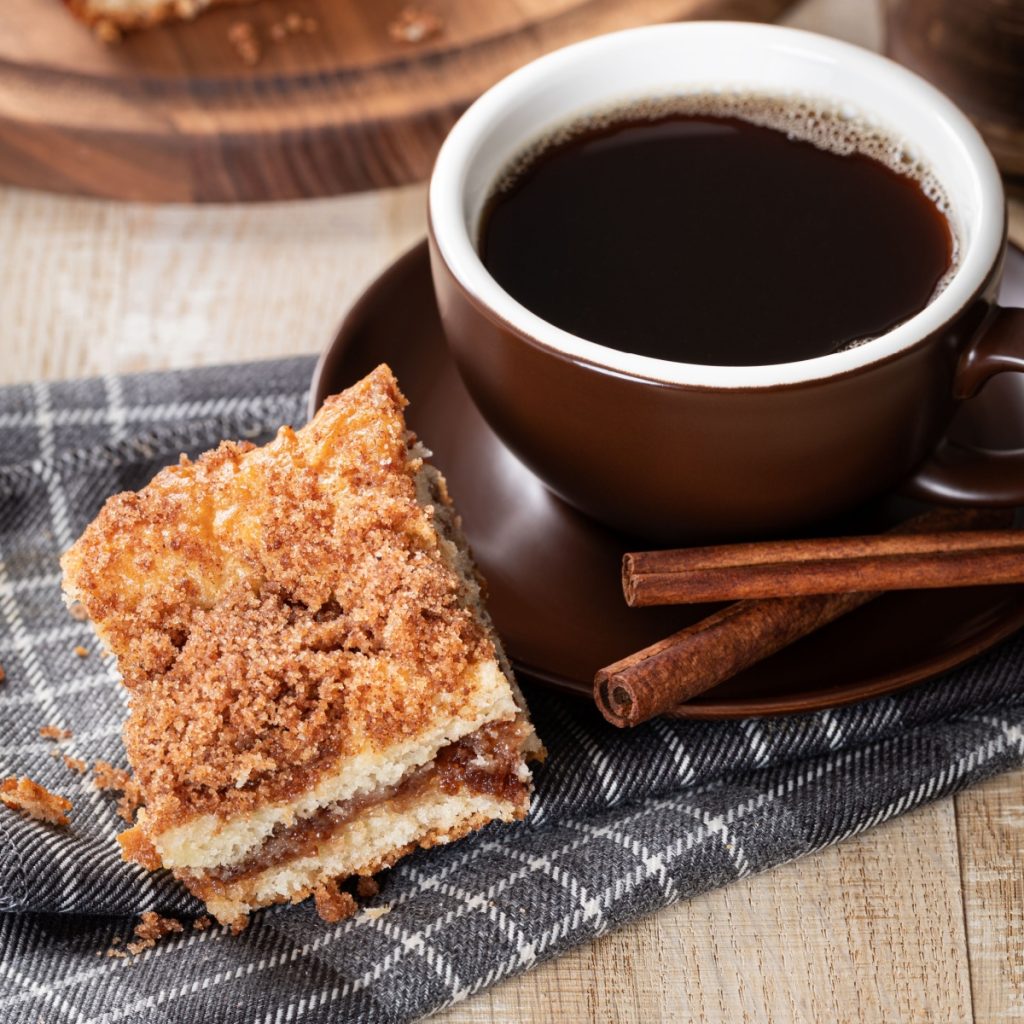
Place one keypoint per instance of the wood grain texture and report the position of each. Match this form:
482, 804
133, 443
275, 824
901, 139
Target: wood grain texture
868, 932
990, 832
173, 114
101, 287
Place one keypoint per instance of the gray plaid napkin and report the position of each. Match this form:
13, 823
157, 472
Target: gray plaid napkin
624, 822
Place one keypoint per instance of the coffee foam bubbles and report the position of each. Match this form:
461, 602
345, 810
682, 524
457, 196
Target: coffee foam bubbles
833, 127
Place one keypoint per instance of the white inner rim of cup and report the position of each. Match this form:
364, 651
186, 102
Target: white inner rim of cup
699, 57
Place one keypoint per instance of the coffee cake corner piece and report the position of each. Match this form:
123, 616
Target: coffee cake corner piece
315, 686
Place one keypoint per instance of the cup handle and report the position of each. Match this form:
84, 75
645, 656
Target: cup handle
955, 473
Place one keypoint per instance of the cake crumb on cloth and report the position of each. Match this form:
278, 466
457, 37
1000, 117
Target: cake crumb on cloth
151, 929
333, 904
367, 887
55, 732
36, 801
107, 778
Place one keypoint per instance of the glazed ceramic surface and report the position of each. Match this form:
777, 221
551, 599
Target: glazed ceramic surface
680, 452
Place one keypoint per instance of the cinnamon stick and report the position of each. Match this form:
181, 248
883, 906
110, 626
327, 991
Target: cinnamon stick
702, 656
840, 565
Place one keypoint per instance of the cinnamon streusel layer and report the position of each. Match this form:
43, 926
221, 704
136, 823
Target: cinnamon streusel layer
300, 628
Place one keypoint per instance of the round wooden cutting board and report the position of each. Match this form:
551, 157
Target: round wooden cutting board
174, 114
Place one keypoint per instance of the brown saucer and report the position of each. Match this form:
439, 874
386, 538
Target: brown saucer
553, 575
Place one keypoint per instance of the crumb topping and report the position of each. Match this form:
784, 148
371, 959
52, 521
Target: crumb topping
36, 801
367, 887
137, 849
54, 732
108, 778
75, 764
151, 929
332, 903
275, 610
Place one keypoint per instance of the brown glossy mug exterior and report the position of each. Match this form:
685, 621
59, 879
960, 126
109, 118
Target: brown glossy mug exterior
684, 453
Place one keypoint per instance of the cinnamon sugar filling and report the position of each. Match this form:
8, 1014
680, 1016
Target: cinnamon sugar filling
487, 761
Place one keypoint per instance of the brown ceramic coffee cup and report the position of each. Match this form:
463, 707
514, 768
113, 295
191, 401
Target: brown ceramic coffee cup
683, 452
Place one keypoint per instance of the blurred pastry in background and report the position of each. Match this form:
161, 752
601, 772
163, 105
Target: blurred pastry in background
110, 18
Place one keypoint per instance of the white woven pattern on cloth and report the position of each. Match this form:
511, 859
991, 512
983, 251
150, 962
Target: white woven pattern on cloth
624, 822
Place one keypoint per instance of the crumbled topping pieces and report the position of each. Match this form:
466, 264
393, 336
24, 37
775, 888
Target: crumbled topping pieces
243, 39
54, 732
151, 929
36, 801
333, 904
108, 778
135, 847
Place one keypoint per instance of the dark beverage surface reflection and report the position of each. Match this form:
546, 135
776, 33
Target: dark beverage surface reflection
713, 240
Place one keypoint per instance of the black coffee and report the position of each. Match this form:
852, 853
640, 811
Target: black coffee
710, 239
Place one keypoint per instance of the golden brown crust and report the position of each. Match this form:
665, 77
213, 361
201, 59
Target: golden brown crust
36, 801
275, 610
137, 849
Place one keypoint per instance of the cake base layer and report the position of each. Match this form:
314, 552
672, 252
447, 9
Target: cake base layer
372, 840
208, 841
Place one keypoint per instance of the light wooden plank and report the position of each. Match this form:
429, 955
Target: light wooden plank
63, 267
990, 824
869, 931
100, 287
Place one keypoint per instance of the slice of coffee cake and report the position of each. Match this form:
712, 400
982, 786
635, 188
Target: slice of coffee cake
315, 687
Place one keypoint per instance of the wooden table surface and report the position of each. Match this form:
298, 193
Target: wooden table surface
921, 919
